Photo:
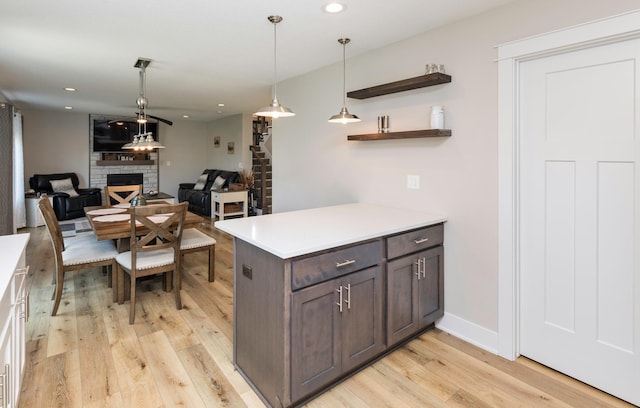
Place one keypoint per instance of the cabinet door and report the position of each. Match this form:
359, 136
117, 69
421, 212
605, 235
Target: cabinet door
402, 294
362, 335
6, 363
315, 343
431, 286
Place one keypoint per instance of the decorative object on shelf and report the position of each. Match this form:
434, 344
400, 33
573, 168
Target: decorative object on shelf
344, 116
383, 124
143, 140
434, 68
275, 110
401, 86
437, 117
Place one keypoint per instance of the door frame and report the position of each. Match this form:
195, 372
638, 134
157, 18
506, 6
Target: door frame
510, 57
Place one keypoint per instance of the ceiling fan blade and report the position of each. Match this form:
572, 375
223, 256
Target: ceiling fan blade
167, 121
121, 120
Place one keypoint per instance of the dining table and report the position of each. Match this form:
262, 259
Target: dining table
114, 222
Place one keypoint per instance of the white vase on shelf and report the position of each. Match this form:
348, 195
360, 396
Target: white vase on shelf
437, 117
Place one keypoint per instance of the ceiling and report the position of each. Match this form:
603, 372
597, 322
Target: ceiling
203, 52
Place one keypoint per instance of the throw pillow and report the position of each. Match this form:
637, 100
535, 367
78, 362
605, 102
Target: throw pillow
218, 183
64, 186
202, 181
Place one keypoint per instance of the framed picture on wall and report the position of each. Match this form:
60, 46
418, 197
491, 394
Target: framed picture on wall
231, 148
216, 141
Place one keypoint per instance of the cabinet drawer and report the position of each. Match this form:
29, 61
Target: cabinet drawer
415, 240
318, 268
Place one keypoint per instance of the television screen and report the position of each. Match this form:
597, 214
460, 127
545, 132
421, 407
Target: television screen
110, 135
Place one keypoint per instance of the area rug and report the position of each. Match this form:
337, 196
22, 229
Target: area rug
78, 226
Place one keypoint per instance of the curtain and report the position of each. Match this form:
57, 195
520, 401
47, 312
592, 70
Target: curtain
6, 169
19, 215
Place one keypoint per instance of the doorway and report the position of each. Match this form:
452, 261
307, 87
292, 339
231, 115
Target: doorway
570, 186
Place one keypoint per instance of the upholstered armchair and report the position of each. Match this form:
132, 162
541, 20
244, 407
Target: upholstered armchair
68, 200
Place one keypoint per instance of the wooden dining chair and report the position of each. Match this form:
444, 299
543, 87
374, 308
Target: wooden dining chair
156, 233
82, 252
194, 240
122, 194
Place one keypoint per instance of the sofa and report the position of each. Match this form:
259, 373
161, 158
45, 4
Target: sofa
198, 194
68, 199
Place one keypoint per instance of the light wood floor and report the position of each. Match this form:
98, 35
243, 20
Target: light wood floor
89, 355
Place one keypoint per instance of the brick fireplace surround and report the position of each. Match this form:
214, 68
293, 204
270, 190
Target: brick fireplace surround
98, 173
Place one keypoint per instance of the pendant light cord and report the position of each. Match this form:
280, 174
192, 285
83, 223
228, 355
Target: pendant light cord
344, 74
275, 65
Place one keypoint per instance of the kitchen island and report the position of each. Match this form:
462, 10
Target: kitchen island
320, 293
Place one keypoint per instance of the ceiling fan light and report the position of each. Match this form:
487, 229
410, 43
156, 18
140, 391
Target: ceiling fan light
344, 117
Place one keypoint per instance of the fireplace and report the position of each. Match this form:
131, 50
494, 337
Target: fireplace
124, 179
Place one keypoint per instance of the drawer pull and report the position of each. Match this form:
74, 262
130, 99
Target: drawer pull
339, 290
345, 263
420, 241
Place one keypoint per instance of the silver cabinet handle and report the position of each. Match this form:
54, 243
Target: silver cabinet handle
339, 290
348, 301
418, 264
424, 267
345, 263
421, 240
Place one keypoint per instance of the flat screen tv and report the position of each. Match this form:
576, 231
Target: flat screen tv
110, 136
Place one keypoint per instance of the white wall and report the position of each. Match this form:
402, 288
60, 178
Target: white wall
236, 129
58, 141
315, 165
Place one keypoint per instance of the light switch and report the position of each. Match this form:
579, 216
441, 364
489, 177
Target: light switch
413, 181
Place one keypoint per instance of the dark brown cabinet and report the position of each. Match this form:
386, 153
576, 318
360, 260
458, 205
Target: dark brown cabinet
301, 324
336, 326
414, 293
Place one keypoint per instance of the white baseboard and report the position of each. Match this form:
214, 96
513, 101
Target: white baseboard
470, 332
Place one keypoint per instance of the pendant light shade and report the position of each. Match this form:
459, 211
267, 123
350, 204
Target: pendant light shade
275, 110
344, 116
143, 140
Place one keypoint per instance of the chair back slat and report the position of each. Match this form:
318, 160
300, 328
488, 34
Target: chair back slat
155, 227
53, 227
122, 194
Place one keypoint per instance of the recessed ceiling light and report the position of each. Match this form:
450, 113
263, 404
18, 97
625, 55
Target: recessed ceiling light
221, 105
185, 116
70, 89
68, 107
334, 7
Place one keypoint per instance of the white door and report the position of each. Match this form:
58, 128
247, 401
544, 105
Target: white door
580, 215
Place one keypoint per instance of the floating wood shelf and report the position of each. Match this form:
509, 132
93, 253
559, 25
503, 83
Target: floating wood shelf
400, 86
125, 162
402, 135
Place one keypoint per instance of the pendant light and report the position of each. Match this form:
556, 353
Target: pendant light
344, 116
143, 140
275, 110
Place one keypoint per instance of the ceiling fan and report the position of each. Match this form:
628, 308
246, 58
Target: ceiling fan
142, 116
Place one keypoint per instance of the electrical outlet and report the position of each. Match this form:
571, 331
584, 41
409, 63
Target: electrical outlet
413, 181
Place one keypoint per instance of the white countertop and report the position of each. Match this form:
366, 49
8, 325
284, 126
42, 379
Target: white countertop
11, 248
296, 233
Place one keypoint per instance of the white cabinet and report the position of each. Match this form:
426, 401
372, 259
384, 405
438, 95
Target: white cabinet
13, 314
228, 203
